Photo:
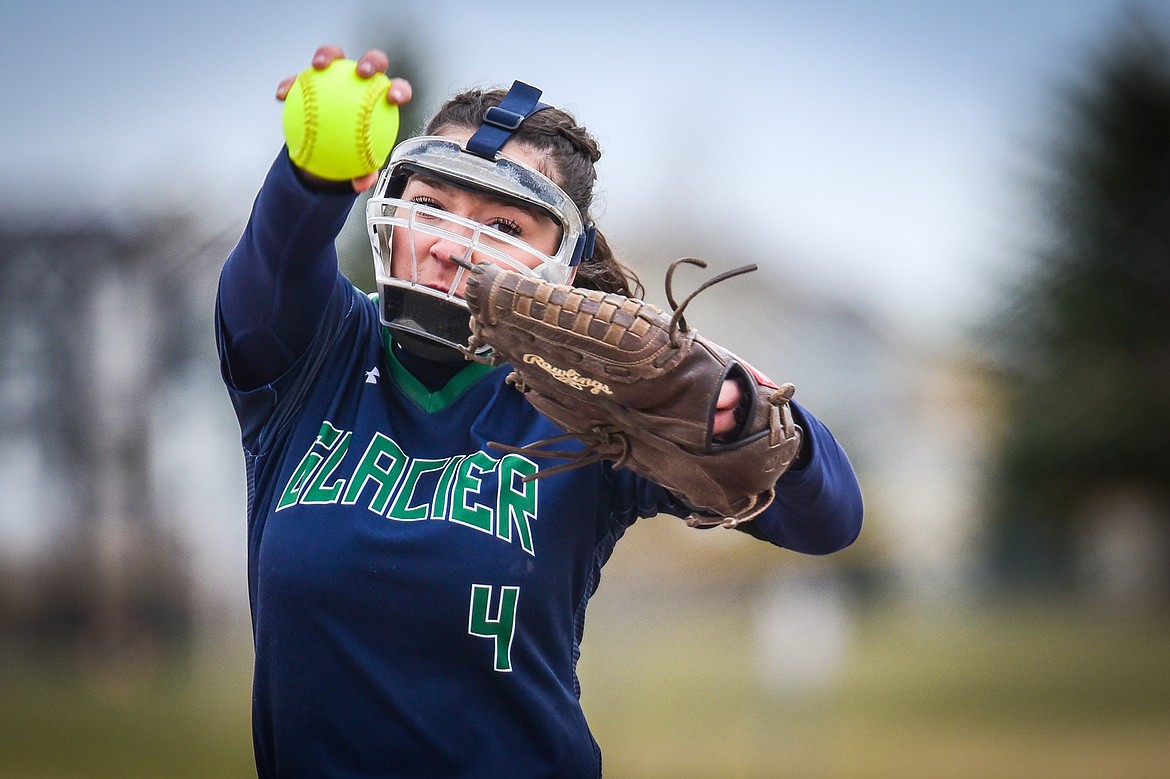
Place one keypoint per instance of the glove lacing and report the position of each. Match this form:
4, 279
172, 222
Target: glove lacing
577, 459
678, 322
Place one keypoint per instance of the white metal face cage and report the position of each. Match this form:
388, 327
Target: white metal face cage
408, 306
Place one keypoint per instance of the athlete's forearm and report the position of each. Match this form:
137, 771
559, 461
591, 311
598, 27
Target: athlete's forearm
275, 283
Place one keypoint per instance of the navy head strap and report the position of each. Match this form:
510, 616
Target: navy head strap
499, 123
584, 248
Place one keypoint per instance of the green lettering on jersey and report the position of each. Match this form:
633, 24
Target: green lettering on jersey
317, 492
372, 469
467, 483
516, 506
501, 628
401, 508
443, 490
505, 509
327, 437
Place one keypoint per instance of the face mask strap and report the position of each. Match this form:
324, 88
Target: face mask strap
500, 122
584, 248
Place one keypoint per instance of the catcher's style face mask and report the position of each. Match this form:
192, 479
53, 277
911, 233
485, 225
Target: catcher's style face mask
409, 306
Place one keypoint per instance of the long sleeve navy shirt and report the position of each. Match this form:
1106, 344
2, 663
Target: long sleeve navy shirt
417, 606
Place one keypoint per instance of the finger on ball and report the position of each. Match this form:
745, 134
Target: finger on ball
400, 91
362, 183
373, 61
326, 54
284, 86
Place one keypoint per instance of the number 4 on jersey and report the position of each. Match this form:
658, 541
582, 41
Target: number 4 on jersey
501, 628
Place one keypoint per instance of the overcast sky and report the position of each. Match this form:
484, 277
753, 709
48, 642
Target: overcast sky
873, 146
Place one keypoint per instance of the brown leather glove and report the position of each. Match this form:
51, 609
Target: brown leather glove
638, 387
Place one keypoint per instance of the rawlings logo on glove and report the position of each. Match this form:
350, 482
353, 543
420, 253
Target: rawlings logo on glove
570, 377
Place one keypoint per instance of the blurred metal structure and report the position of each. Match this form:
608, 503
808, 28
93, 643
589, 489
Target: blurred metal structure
95, 319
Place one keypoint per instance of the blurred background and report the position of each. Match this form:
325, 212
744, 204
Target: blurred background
961, 213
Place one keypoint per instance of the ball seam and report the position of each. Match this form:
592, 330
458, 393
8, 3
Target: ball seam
364, 143
309, 101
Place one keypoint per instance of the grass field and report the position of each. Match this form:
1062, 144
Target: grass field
1007, 692
1028, 691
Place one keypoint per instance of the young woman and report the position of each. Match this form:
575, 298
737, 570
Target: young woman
417, 605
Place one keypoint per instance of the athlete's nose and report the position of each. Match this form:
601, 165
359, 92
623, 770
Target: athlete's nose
444, 249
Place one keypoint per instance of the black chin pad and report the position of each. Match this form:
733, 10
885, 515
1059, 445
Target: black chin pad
444, 322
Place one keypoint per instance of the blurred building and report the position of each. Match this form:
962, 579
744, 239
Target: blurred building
104, 349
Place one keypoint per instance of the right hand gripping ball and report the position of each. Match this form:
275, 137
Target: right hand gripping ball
338, 125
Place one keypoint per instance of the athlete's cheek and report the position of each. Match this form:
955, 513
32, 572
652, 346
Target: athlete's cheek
399, 256
402, 264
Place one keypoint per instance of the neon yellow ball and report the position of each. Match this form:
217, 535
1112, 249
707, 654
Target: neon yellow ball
338, 125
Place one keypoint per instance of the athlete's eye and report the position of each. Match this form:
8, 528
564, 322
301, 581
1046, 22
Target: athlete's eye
505, 226
429, 202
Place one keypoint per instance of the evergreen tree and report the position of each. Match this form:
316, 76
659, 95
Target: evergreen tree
1087, 334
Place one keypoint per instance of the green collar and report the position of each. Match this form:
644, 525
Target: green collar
431, 402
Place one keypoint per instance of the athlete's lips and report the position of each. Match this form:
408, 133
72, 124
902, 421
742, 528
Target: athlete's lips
440, 288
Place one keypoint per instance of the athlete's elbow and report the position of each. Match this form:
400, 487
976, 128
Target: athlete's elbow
849, 529
838, 530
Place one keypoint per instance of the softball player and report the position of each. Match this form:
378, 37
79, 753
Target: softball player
417, 605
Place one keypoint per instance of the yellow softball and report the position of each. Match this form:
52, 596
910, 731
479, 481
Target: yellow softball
338, 125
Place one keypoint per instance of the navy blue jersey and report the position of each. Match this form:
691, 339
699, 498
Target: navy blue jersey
417, 605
